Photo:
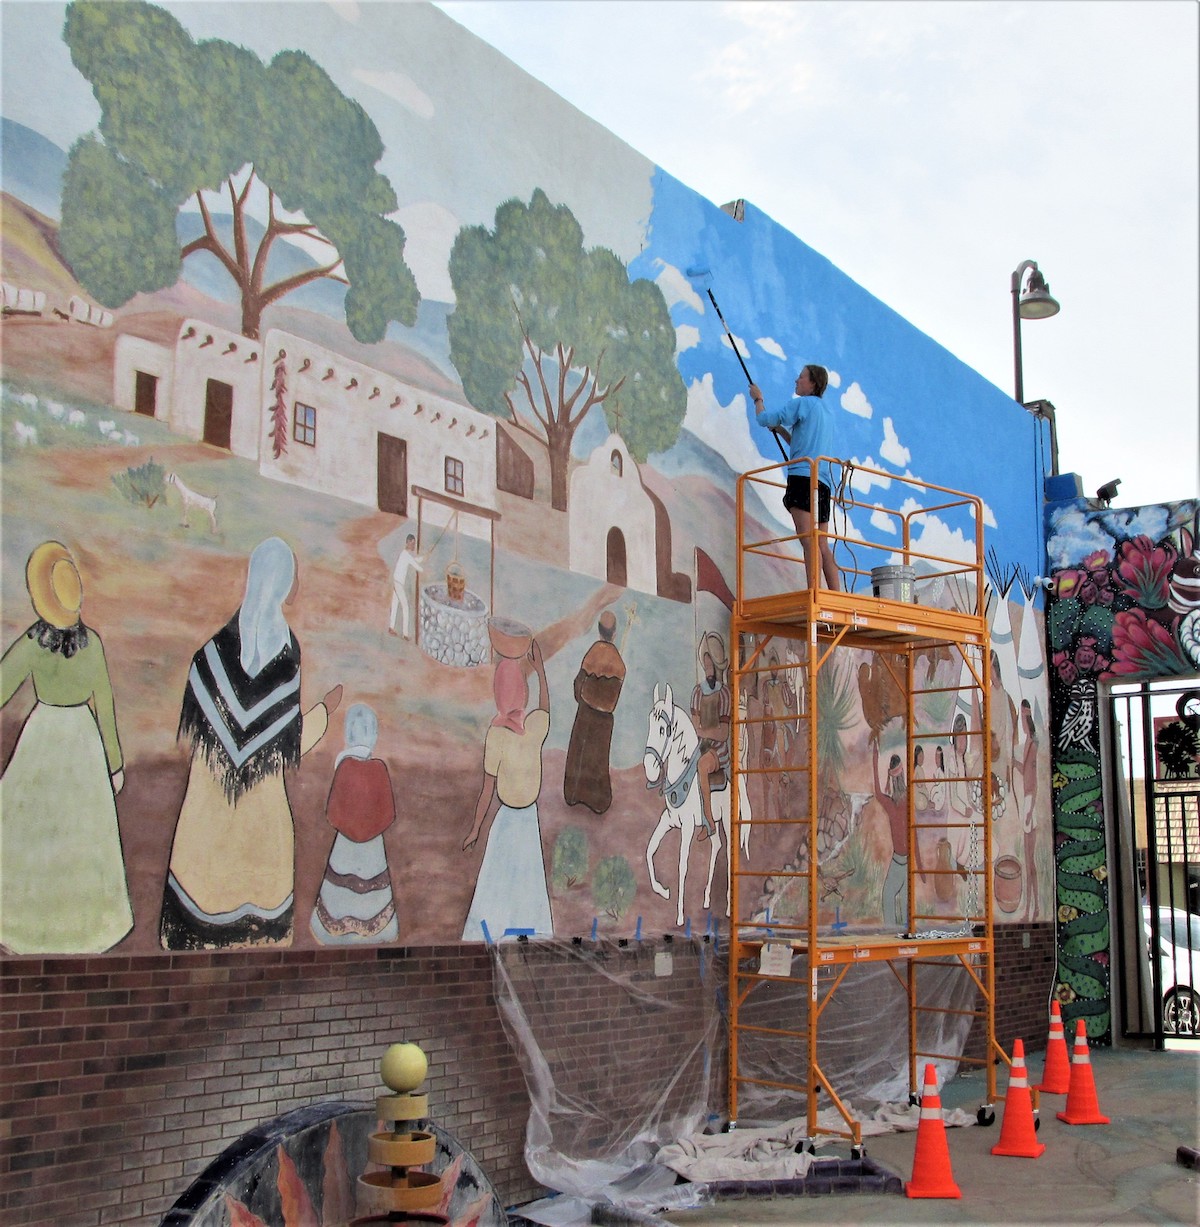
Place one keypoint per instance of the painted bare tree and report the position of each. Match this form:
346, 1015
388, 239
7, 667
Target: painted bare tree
197, 121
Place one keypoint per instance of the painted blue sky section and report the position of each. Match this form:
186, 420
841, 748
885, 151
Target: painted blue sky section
960, 430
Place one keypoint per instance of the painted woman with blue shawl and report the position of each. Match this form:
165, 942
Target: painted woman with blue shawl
232, 869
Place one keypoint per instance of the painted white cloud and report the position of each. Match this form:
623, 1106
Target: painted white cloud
676, 288
723, 427
891, 449
854, 400
770, 346
932, 535
989, 516
882, 521
686, 337
1073, 536
400, 88
835, 379
863, 481
429, 230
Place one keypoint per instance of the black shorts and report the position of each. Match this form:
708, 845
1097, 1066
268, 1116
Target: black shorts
796, 495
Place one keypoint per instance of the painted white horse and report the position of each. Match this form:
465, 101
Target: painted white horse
672, 754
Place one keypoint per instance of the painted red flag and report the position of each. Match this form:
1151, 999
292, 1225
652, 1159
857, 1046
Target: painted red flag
710, 579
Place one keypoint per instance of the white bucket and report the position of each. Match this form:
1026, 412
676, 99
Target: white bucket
894, 583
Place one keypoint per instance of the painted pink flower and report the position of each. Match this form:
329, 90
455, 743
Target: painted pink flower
1142, 645
1143, 570
1065, 666
1067, 582
1087, 659
1089, 583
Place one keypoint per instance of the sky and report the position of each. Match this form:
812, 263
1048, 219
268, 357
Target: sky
927, 150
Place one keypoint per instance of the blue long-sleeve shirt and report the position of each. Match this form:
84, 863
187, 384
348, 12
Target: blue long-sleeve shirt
809, 421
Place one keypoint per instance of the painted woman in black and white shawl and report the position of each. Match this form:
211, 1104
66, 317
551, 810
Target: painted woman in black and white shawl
232, 868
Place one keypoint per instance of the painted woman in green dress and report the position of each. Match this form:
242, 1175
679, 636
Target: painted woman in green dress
63, 888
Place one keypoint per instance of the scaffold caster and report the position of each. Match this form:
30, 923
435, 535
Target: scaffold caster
914, 1100
1037, 1121
805, 1146
986, 1115
858, 1152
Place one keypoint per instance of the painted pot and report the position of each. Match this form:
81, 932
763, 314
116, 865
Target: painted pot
1006, 883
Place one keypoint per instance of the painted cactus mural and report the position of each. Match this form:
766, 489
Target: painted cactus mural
1124, 604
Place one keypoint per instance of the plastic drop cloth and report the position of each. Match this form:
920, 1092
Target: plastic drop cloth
616, 1088
640, 1067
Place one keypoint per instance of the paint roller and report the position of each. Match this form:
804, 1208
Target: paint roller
702, 277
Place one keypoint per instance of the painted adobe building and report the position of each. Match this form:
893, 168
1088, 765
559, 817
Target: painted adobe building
135, 1065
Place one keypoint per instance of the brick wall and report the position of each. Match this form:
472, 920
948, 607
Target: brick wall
122, 1078
1025, 978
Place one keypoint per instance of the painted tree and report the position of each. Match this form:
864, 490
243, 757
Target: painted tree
181, 119
543, 331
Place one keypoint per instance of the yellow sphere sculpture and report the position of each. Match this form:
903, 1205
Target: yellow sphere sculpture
403, 1067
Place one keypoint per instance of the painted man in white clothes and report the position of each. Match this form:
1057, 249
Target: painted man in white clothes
409, 563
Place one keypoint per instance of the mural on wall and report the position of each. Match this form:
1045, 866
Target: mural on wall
279, 375
1124, 605
863, 781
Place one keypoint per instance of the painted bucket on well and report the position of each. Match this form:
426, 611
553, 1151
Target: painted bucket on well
894, 583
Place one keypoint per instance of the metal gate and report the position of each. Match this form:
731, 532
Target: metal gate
1155, 778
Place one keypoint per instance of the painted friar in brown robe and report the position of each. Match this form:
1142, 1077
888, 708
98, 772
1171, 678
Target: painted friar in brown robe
598, 683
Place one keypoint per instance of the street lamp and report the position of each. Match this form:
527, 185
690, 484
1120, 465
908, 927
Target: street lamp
1031, 303
1044, 409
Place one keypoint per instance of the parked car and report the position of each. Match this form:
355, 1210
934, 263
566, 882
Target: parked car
1179, 966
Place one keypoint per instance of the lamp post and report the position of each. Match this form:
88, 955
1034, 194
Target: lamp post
1031, 303
1044, 409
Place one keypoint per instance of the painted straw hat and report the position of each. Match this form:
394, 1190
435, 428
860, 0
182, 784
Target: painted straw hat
54, 585
714, 645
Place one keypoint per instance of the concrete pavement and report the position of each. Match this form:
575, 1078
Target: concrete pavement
1125, 1172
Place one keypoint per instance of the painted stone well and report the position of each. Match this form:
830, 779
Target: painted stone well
454, 623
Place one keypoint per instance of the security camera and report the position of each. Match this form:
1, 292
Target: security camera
1108, 491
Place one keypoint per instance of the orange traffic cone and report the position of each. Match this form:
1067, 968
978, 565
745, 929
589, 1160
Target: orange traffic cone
1018, 1136
1082, 1106
931, 1176
1056, 1073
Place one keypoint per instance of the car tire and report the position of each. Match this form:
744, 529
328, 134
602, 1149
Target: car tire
1181, 1012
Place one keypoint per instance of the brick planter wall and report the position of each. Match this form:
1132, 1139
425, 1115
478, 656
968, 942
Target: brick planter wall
1025, 978
123, 1077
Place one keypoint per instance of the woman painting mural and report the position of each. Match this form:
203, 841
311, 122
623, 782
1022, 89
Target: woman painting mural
232, 869
63, 888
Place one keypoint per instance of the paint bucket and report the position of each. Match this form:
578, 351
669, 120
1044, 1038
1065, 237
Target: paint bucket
1006, 883
893, 583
